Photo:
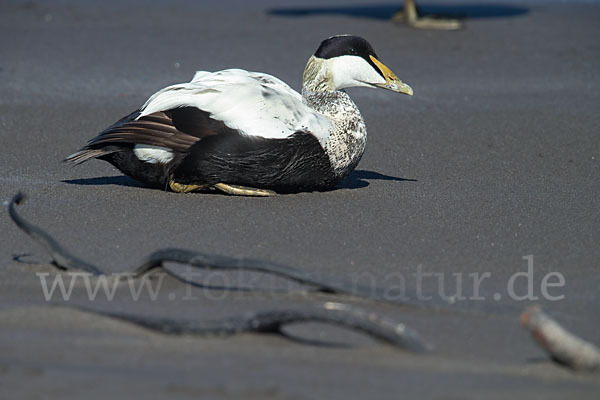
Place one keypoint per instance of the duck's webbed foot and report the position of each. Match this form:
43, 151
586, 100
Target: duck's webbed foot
181, 188
242, 190
409, 16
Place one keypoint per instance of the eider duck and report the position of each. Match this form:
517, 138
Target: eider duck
248, 133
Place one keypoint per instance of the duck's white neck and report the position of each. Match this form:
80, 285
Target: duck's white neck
348, 134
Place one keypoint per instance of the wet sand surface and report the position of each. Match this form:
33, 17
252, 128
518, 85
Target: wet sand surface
494, 159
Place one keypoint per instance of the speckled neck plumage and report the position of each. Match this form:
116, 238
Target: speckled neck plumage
348, 134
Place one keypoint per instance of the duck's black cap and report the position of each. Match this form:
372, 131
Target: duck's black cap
345, 45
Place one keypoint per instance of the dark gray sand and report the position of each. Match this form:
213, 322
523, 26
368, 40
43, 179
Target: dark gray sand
495, 158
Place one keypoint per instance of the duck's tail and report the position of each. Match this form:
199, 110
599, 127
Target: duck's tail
85, 154
91, 150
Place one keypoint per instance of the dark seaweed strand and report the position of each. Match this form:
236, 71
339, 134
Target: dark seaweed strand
263, 321
272, 321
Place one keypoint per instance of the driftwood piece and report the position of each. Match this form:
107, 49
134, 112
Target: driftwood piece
563, 346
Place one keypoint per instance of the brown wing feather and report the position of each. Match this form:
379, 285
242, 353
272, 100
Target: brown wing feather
176, 129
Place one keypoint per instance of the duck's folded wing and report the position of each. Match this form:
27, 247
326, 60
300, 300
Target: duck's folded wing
173, 130
157, 129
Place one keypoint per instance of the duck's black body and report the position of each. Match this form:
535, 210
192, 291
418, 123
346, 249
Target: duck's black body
294, 164
210, 152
